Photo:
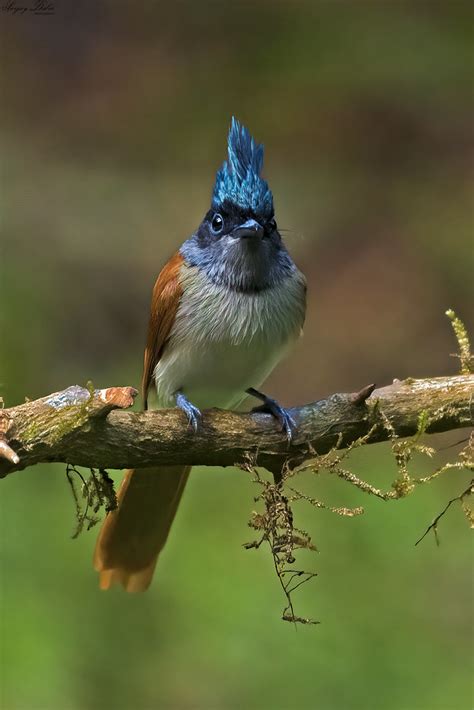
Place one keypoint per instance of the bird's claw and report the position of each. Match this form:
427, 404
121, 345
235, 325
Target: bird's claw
287, 422
193, 413
282, 415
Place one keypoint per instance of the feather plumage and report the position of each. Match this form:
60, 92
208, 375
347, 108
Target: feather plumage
132, 536
164, 305
239, 181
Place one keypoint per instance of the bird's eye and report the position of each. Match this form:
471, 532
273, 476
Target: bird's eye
271, 225
217, 224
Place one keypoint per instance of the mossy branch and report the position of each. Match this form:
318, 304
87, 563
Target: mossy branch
79, 427
87, 427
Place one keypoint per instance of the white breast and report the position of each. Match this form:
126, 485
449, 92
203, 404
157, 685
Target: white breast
225, 341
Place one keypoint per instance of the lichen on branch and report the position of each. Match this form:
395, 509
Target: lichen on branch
276, 526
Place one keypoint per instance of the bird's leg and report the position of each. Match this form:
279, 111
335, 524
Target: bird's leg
272, 407
193, 413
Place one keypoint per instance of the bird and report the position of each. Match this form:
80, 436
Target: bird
224, 310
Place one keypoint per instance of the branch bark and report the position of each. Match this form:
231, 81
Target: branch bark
89, 427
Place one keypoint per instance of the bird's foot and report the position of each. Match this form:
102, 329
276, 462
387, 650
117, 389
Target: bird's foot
193, 413
270, 406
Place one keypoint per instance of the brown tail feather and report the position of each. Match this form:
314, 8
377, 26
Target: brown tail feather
133, 536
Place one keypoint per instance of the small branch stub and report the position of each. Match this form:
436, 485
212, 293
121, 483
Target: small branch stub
360, 397
6, 452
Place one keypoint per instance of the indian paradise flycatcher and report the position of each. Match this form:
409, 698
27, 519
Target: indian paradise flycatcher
224, 310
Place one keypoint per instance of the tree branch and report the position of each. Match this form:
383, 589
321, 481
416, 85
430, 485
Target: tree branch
87, 427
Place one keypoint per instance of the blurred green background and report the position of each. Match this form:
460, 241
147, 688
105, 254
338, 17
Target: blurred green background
114, 120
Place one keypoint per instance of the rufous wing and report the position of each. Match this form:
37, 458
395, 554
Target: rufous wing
132, 536
164, 305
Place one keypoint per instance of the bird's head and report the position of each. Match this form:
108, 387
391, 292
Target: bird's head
238, 243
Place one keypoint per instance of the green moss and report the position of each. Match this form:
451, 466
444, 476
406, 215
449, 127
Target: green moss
464, 345
30, 432
66, 421
77, 416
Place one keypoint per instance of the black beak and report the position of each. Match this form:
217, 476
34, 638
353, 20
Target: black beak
250, 228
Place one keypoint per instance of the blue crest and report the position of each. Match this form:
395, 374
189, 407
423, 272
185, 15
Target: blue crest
239, 178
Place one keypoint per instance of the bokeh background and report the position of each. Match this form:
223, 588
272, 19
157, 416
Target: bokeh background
114, 120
